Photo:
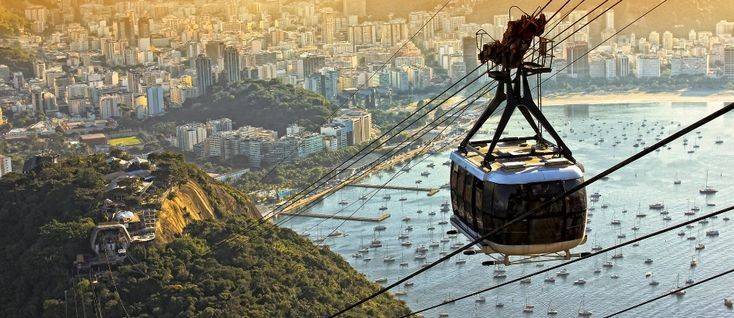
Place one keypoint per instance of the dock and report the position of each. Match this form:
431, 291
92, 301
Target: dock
379, 218
431, 191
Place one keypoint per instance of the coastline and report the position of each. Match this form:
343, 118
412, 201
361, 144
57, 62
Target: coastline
600, 98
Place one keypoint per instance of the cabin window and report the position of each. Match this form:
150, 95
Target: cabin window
478, 203
458, 202
468, 191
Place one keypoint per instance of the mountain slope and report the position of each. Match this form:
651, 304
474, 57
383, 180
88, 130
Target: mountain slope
190, 270
267, 104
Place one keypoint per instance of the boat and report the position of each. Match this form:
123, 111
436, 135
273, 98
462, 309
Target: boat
381, 280
480, 300
648, 261
728, 303
616, 222
579, 281
376, 243
550, 279
562, 273
700, 246
528, 308
657, 206
406, 219
380, 228
406, 243
425, 174
403, 199
409, 284
343, 202
706, 188
712, 233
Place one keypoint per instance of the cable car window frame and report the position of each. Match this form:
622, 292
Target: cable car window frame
467, 197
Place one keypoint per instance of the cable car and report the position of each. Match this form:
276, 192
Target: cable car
494, 181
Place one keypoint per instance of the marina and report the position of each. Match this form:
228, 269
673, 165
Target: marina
643, 196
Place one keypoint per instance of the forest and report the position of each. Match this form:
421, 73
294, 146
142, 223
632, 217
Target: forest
267, 104
225, 267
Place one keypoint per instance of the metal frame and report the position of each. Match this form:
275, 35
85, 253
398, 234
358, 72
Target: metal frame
515, 93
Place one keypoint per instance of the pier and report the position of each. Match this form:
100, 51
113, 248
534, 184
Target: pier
431, 191
379, 218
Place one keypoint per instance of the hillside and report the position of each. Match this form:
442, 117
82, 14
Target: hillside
264, 104
10, 22
188, 270
676, 16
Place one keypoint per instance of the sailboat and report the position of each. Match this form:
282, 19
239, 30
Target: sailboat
583, 312
678, 293
706, 188
676, 180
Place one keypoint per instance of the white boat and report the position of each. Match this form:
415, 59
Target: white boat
562, 273
700, 246
381, 280
550, 279
648, 261
579, 281
728, 303
528, 308
706, 188
480, 300
657, 206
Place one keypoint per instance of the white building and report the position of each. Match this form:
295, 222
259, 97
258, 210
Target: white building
648, 66
6, 165
189, 135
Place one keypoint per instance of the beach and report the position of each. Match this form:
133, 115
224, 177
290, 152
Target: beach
597, 98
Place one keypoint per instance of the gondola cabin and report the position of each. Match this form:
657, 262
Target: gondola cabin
484, 197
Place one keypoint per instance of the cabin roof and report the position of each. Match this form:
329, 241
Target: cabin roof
542, 166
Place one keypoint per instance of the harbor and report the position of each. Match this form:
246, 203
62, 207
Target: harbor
655, 192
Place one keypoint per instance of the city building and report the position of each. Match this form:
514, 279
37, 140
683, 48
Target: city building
648, 66
189, 135
203, 74
156, 103
6, 165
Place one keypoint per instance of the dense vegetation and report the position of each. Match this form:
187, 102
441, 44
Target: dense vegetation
10, 22
17, 59
267, 104
46, 218
296, 174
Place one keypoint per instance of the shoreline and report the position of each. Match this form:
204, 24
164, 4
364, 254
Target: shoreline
601, 98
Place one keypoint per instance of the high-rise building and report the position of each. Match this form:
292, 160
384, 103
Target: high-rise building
609, 20
729, 62
156, 103
648, 66
133, 82
623, 66
469, 48
218, 125
6, 165
203, 74
668, 40
144, 27
328, 27
108, 106
232, 64
355, 7
189, 135
39, 69
576, 55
